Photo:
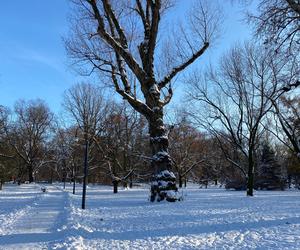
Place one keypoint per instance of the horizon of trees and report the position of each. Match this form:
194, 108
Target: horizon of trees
119, 152
241, 126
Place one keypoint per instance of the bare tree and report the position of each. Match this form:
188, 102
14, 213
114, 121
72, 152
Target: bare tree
86, 106
3, 119
120, 40
3, 126
287, 126
66, 154
117, 144
4, 123
278, 22
237, 97
29, 133
185, 148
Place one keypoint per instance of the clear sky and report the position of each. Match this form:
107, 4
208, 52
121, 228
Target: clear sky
33, 62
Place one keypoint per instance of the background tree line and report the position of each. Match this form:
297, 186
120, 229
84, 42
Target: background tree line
38, 146
243, 121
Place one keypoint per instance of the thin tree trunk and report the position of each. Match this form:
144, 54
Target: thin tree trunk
1, 184
74, 181
180, 180
85, 172
74, 186
30, 173
131, 181
51, 176
115, 185
250, 182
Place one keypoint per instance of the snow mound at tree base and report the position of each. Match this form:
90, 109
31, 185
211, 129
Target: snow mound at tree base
164, 187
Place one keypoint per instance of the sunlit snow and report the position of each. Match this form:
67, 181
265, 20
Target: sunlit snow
210, 218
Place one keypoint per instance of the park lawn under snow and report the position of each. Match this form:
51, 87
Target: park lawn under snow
210, 218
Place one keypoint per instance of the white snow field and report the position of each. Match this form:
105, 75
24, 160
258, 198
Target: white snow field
210, 218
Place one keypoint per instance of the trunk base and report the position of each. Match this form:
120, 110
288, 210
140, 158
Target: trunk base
250, 185
115, 187
164, 187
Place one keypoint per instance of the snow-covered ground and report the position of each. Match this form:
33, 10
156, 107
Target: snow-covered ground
207, 219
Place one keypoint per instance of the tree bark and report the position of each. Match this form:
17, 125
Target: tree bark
131, 181
74, 181
115, 185
250, 180
180, 180
30, 173
164, 184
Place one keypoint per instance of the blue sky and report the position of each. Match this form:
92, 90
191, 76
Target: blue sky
33, 62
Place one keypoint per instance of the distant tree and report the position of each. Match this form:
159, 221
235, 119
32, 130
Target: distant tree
85, 104
293, 169
214, 165
236, 97
270, 172
185, 149
3, 120
287, 130
29, 133
122, 40
4, 125
118, 145
66, 154
3, 145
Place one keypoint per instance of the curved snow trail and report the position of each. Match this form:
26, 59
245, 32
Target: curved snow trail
38, 224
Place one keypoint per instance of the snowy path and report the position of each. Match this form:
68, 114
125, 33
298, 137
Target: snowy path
15, 203
206, 219
39, 222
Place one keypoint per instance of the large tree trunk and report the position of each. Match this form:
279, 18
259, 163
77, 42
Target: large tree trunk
30, 173
164, 184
